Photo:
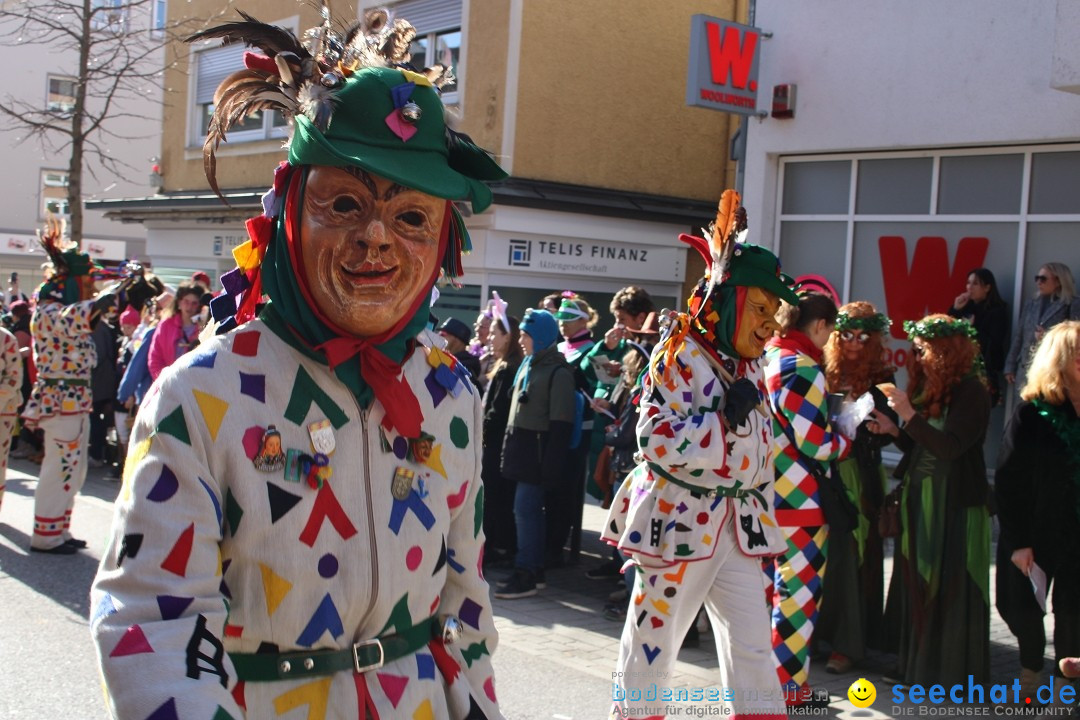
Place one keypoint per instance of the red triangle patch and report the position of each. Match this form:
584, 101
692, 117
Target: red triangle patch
134, 642
393, 686
177, 561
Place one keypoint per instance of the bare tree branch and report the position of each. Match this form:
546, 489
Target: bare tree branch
113, 59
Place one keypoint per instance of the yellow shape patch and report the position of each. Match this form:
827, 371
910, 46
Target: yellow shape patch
275, 588
314, 694
434, 460
136, 456
246, 256
213, 410
424, 712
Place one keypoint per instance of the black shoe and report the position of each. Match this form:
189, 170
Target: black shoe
75, 543
61, 549
521, 584
539, 579
607, 571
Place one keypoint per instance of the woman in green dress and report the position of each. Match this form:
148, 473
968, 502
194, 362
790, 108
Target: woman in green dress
853, 598
939, 598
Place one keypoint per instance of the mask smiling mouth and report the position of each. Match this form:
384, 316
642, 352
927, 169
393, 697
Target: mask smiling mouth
369, 273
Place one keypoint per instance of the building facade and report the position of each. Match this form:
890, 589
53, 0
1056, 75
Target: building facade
36, 183
583, 103
928, 140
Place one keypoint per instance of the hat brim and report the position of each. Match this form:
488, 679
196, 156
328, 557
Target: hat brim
423, 170
772, 283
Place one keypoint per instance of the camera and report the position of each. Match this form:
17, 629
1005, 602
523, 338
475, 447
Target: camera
14, 277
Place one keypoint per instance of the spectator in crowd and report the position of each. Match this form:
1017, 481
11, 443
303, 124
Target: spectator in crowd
982, 305
1055, 300
122, 416
11, 376
551, 302
500, 490
178, 331
696, 514
480, 344
536, 446
103, 383
136, 380
201, 279
457, 335
14, 294
17, 321
631, 306
853, 599
307, 480
938, 602
1036, 485
565, 499
805, 446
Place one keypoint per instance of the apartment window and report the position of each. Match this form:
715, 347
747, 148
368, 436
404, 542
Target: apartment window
438, 36
157, 20
54, 192
61, 97
109, 15
211, 67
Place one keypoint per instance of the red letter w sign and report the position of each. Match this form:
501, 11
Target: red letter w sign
723, 67
929, 285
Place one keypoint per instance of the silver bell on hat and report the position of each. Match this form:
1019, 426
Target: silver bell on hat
410, 111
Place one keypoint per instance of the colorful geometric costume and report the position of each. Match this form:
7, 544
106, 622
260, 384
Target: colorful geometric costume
60, 405
803, 435
299, 530
696, 514
211, 554
691, 548
11, 377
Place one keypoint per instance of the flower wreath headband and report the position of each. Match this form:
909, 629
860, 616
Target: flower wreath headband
939, 328
877, 322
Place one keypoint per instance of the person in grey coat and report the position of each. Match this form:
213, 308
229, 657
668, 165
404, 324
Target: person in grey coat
1055, 300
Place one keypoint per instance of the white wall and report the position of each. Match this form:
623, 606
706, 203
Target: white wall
885, 76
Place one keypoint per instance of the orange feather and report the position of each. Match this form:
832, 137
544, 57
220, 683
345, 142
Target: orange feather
725, 219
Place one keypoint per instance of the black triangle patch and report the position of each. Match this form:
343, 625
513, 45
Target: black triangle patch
281, 501
129, 547
442, 558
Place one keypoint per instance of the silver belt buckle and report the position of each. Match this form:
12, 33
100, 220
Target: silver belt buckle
356, 656
451, 629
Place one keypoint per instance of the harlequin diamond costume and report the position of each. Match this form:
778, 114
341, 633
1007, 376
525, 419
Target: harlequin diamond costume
60, 402
299, 529
696, 514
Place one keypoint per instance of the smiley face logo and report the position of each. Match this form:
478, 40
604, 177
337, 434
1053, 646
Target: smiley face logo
862, 693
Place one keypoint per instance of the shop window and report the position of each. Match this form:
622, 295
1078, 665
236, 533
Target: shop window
899, 186
159, 13
1055, 183
61, 97
980, 184
817, 188
54, 193
814, 248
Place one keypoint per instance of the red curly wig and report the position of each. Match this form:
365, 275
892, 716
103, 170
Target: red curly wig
856, 376
945, 362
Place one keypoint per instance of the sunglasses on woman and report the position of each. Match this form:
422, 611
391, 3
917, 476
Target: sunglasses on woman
1042, 278
849, 335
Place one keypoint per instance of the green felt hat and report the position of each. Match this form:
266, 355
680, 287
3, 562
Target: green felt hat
754, 266
360, 132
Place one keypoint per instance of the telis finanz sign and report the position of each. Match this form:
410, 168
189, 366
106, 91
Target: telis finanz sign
723, 68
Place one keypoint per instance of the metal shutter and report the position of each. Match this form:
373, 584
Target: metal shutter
429, 16
214, 66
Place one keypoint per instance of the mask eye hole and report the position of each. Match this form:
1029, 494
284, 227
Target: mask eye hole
345, 204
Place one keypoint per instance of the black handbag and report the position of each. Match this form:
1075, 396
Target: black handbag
840, 513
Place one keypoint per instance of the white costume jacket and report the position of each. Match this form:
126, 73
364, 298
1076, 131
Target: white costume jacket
210, 553
680, 435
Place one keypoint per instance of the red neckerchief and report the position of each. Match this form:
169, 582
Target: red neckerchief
801, 342
380, 372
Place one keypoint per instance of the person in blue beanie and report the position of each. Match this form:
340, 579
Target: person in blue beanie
536, 444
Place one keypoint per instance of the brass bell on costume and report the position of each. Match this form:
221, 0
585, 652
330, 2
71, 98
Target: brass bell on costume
410, 111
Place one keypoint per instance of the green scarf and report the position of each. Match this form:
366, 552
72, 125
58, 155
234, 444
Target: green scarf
289, 316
